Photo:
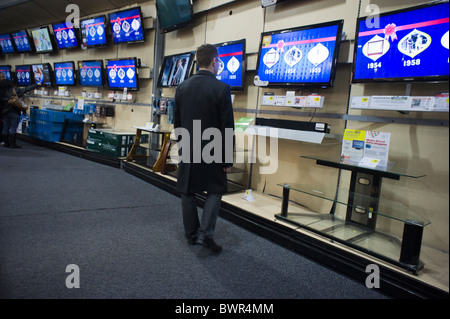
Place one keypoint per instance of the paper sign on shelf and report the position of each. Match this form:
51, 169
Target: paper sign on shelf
353, 145
377, 146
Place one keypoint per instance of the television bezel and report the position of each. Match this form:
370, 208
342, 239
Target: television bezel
330, 83
12, 43
75, 31
74, 73
244, 60
31, 74
121, 88
430, 78
188, 70
10, 71
126, 41
52, 41
102, 71
50, 74
29, 39
175, 26
107, 32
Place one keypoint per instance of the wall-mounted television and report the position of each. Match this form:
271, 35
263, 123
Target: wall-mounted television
232, 63
90, 73
42, 73
408, 45
23, 75
42, 40
175, 69
22, 41
64, 73
6, 70
93, 31
268, 3
65, 35
6, 45
174, 14
126, 26
122, 73
302, 56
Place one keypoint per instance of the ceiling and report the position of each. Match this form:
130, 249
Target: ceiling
27, 14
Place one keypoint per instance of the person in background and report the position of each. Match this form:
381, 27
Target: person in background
202, 98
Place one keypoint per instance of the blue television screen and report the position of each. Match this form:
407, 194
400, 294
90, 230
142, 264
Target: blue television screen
232, 68
6, 44
21, 41
126, 26
91, 73
42, 73
64, 73
23, 75
93, 31
300, 56
407, 45
6, 70
65, 35
122, 74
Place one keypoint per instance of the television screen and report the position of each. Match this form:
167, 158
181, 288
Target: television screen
232, 63
303, 56
175, 69
64, 73
23, 75
22, 41
174, 14
6, 44
65, 35
407, 45
42, 73
6, 70
91, 73
42, 40
93, 31
126, 26
122, 73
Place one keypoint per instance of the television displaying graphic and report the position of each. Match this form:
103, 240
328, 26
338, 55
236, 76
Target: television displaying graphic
174, 14
42, 40
126, 26
232, 63
23, 75
93, 31
407, 45
90, 73
65, 35
6, 44
122, 74
64, 73
175, 69
22, 41
6, 70
303, 56
42, 73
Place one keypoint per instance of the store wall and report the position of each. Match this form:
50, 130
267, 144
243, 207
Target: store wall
422, 146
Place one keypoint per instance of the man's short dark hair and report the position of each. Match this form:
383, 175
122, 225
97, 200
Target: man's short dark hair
205, 54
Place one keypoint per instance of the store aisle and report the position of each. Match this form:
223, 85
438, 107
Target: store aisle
126, 238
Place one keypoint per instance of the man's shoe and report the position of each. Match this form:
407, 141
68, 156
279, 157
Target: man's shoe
191, 240
209, 243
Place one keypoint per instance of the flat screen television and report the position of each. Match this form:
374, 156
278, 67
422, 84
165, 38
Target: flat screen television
268, 3
93, 32
175, 69
90, 73
65, 35
23, 75
174, 14
302, 56
22, 41
122, 73
6, 70
408, 45
126, 26
42, 40
6, 45
64, 73
42, 73
232, 63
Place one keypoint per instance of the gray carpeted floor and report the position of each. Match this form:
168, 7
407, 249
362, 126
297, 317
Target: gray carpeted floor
126, 237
